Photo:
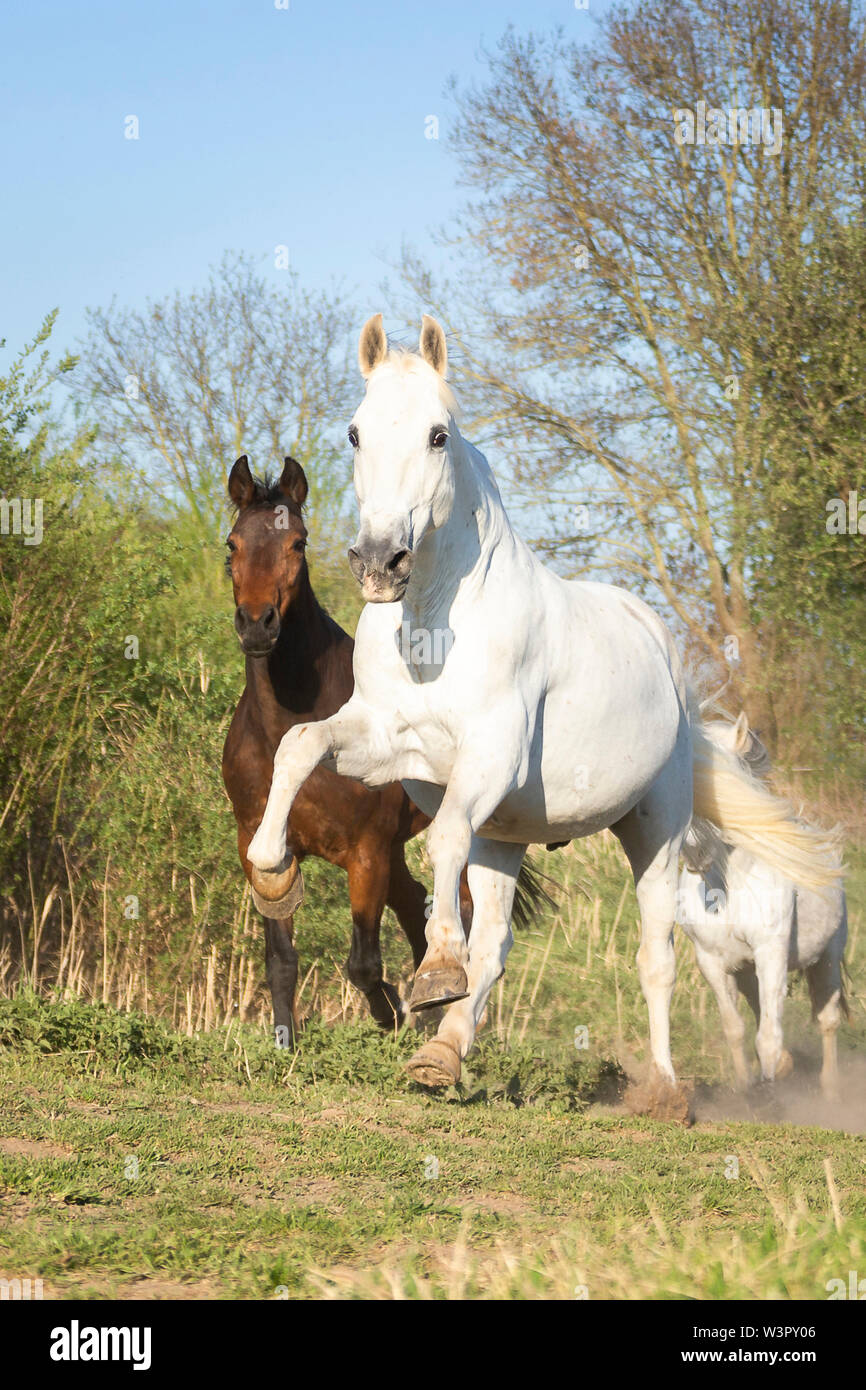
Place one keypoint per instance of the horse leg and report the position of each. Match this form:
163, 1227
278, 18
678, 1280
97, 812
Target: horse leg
656, 876
481, 778
407, 899
771, 970
724, 987
747, 984
368, 887
281, 967
656, 894
492, 876
651, 835
825, 989
350, 740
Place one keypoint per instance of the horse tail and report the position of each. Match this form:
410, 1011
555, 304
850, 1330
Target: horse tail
745, 812
532, 897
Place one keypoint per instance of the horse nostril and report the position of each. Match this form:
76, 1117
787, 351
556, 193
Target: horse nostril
395, 560
242, 619
270, 617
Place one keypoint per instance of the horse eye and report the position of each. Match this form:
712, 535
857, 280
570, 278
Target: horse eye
353, 436
231, 545
438, 438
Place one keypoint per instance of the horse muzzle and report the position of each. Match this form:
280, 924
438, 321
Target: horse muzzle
258, 636
382, 570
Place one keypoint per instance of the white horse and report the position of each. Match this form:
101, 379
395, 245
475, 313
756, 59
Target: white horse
751, 925
515, 707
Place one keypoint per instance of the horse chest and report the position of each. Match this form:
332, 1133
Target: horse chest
427, 737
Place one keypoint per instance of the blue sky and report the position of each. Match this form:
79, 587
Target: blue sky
258, 127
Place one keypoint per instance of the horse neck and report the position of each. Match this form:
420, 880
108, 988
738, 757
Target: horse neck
296, 677
457, 554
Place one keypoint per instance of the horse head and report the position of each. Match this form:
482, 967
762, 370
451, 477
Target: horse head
266, 552
736, 737
404, 472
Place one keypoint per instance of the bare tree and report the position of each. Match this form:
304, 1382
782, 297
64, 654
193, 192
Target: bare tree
637, 204
183, 387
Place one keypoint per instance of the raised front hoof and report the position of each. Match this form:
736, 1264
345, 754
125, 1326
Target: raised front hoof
659, 1098
277, 895
440, 983
435, 1065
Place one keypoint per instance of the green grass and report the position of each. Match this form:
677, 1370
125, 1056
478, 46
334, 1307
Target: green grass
136, 1161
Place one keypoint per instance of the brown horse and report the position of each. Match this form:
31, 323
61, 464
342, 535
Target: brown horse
299, 668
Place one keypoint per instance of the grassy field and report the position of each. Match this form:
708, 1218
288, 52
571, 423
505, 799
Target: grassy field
137, 1161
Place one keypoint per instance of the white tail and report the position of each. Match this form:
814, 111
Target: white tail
746, 813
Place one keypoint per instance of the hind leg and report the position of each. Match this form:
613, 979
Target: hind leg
368, 889
747, 984
724, 987
656, 895
825, 989
771, 969
651, 835
407, 899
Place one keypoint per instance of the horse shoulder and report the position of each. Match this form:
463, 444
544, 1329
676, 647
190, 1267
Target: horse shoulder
236, 738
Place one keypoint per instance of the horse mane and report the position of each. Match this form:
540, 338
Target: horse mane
732, 803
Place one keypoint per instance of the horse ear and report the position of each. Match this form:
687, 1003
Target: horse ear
242, 486
293, 482
742, 737
372, 345
432, 345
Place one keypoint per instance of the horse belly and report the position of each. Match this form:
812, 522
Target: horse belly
592, 762
576, 784
606, 729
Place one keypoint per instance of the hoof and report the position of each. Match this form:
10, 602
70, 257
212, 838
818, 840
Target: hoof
660, 1099
785, 1065
441, 982
436, 1065
277, 895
